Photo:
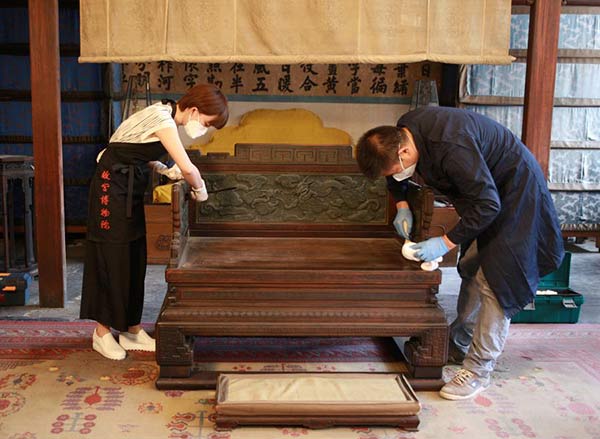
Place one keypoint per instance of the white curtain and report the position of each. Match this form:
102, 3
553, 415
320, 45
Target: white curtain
296, 31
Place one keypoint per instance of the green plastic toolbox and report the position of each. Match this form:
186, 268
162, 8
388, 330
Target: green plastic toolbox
563, 307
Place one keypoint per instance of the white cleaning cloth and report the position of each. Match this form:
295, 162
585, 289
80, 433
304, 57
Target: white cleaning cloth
409, 253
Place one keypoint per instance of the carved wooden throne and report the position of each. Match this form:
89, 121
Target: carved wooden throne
303, 246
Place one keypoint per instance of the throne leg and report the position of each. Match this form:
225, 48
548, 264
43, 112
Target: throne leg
427, 353
174, 355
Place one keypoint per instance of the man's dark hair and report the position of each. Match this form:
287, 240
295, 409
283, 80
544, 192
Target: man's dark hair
377, 150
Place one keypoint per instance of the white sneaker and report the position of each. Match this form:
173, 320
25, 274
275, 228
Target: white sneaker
137, 342
108, 346
464, 385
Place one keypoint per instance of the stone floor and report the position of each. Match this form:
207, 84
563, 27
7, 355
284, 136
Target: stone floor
584, 279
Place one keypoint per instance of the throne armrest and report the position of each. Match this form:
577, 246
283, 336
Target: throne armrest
180, 219
420, 199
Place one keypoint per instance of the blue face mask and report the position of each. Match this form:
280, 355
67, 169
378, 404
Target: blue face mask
406, 172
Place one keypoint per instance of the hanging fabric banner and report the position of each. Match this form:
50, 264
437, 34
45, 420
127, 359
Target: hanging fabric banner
296, 31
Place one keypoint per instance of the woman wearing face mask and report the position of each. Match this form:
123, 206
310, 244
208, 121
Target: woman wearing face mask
508, 229
115, 261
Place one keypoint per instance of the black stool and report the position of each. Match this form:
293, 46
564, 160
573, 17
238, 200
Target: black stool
15, 169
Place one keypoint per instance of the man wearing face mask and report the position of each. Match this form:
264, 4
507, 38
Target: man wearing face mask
508, 229
115, 260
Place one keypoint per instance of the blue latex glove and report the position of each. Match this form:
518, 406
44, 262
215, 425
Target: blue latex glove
431, 249
403, 222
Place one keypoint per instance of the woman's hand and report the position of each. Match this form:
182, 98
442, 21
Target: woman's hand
172, 173
199, 193
170, 140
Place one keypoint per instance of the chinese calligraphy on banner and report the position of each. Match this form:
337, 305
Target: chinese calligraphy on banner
357, 80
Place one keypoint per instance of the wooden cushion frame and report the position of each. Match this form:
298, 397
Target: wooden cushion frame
247, 278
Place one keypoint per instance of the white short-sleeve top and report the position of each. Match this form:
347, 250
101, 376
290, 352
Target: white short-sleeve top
141, 126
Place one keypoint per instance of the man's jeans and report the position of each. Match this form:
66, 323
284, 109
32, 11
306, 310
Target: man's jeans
481, 328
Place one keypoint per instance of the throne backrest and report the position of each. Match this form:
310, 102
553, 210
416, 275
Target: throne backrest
292, 190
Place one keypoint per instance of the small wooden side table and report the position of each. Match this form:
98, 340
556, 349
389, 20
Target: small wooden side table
15, 170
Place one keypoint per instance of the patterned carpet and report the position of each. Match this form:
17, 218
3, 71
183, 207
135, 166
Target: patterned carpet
52, 385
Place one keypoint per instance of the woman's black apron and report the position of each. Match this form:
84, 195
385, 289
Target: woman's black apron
115, 260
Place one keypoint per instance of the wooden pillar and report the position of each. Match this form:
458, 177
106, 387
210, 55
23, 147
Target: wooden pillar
542, 54
47, 151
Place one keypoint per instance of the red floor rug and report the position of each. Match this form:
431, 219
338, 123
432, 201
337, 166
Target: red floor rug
52, 385
296, 349
51, 339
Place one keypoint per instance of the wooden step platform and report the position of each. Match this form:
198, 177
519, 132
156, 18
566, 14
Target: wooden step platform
316, 400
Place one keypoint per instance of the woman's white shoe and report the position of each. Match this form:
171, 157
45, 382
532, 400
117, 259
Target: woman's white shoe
107, 346
137, 342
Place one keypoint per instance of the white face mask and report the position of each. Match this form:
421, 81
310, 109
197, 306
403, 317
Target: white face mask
406, 172
194, 129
